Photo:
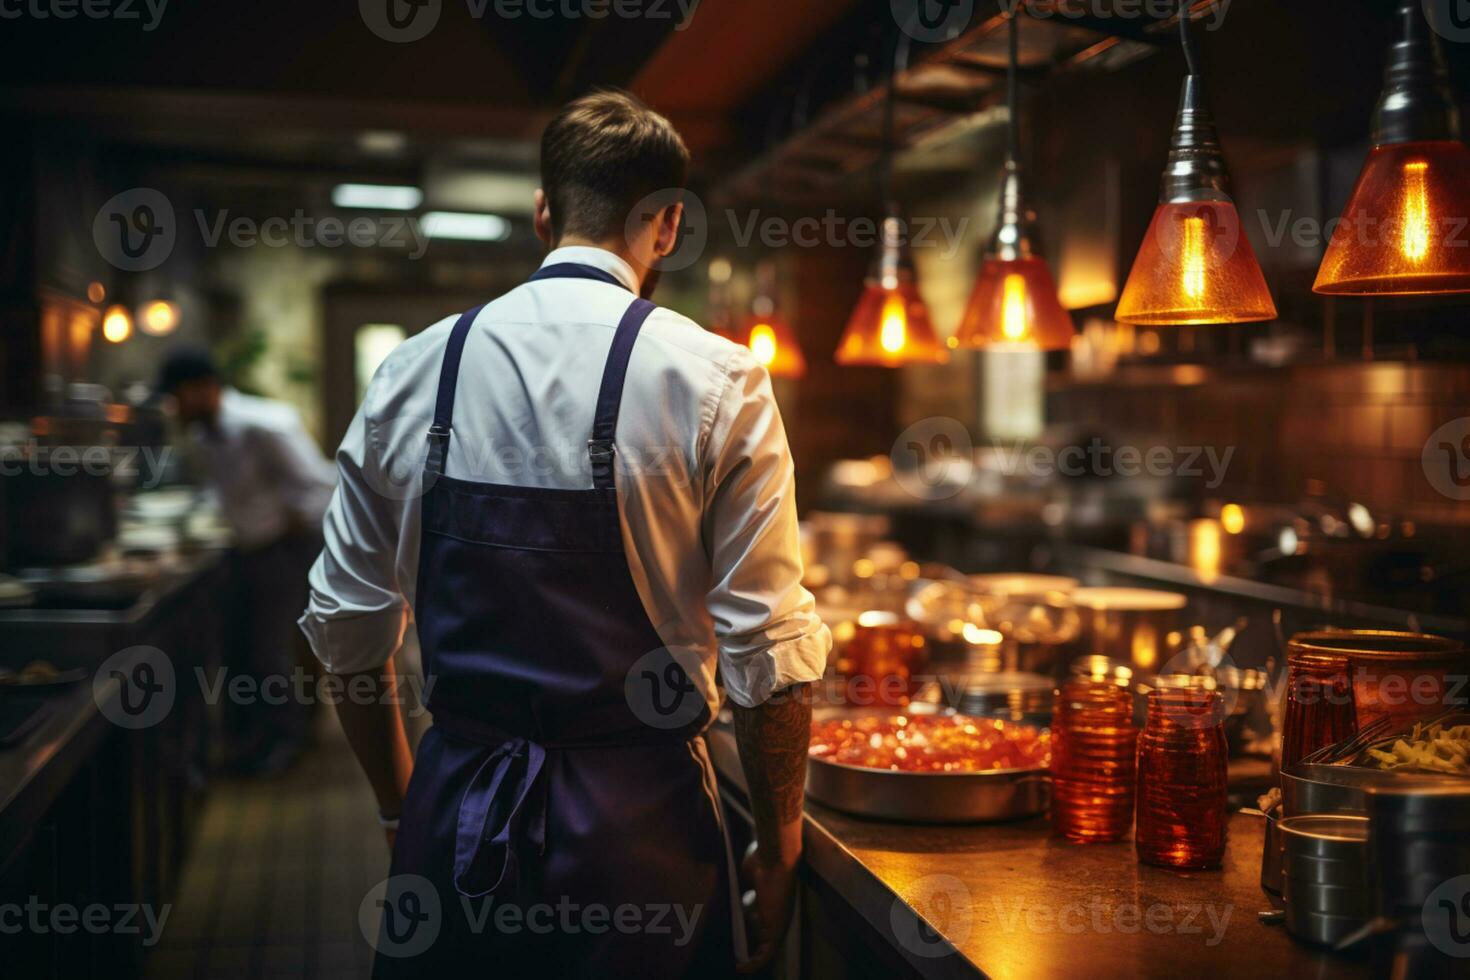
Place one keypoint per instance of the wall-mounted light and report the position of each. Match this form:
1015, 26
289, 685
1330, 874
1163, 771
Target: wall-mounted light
1195, 264
1403, 230
117, 324
1014, 302
378, 197
465, 227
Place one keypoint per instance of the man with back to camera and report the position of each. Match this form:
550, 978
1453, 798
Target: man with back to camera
598, 511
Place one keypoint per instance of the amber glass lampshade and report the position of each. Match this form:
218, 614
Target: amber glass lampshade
774, 345
1404, 229
1195, 266
1014, 302
890, 328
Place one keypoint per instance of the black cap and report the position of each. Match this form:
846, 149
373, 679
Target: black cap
185, 364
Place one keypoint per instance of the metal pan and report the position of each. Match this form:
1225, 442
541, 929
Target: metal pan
926, 797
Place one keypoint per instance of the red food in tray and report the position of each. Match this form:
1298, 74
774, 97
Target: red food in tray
930, 743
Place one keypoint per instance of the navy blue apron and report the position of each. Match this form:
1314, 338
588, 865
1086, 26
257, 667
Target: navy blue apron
547, 830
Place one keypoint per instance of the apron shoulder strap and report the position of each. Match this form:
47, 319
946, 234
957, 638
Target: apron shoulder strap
610, 396
444, 403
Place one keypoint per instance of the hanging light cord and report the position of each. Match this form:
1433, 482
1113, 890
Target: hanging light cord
1186, 39
1013, 139
899, 65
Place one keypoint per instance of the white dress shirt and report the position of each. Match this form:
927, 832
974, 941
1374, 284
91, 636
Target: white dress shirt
704, 477
266, 471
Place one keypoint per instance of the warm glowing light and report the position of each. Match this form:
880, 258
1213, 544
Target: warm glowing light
890, 327
1232, 518
117, 324
1415, 244
1205, 551
96, 292
1014, 302
894, 331
1193, 279
774, 345
1013, 308
1403, 230
1195, 266
159, 318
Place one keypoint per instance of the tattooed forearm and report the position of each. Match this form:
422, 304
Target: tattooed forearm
773, 739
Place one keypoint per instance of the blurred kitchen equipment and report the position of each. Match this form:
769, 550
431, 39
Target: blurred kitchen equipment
1100, 668
836, 540
1325, 876
946, 611
1021, 583
1036, 627
1130, 625
59, 505
1011, 695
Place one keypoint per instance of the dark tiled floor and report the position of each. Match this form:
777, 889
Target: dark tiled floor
277, 873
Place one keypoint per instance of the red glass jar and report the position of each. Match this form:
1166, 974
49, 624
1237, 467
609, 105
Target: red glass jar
1182, 779
880, 664
1093, 761
1320, 708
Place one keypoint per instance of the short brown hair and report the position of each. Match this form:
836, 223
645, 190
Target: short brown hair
601, 155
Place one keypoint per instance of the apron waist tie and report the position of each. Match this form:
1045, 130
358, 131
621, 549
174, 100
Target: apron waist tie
513, 770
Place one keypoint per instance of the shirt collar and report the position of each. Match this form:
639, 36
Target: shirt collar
598, 258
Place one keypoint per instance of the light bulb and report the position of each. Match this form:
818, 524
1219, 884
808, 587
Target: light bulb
1013, 307
1415, 244
894, 332
763, 343
117, 324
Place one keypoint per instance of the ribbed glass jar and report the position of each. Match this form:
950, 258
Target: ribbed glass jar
1093, 761
1182, 761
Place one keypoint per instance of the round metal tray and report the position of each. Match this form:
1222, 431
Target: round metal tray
925, 797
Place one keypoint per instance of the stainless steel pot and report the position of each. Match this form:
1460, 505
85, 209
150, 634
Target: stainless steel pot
1325, 879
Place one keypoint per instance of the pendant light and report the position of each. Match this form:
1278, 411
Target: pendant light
1196, 264
769, 337
1014, 302
890, 325
1403, 228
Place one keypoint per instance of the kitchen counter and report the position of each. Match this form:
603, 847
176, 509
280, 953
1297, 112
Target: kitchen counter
1012, 901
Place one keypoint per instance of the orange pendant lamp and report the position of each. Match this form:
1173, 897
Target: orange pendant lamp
1403, 230
1196, 264
890, 325
1014, 302
769, 337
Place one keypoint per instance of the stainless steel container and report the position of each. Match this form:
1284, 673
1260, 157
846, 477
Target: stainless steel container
1325, 876
1129, 625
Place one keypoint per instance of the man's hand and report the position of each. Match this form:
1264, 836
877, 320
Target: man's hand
375, 731
767, 904
773, 739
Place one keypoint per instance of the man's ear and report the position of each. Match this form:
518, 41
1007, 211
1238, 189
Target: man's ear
666, 230
542, 208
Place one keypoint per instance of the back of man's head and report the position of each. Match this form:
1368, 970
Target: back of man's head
602, 154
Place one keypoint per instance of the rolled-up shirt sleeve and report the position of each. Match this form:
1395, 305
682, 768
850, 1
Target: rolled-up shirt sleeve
765, 621
357, 613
